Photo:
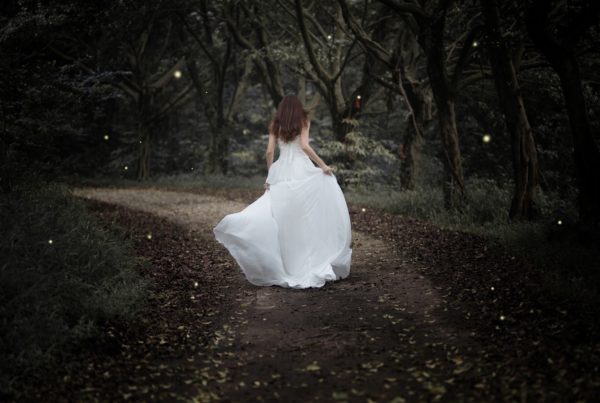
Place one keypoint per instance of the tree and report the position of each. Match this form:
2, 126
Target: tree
558, 41
328, 78
524, 154
143, 69
204, 23
429, 25
256, 40
149, 80
403, 63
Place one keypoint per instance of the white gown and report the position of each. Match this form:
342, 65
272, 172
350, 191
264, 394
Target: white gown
297, 234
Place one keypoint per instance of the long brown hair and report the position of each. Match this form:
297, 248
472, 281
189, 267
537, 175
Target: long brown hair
290, 119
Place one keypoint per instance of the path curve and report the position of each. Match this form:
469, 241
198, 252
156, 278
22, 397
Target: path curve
383, 333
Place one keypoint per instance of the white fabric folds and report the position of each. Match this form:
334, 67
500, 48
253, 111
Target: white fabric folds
297, 234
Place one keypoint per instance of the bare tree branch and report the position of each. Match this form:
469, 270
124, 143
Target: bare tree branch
130, 90
183, 96
402, 8
465, 53
325, 76
199, 41
160, 79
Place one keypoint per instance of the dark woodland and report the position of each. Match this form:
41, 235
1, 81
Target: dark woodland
465, 136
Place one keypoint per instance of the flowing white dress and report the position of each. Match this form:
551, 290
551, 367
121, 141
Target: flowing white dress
297, 234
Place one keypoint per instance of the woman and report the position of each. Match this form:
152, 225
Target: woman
297, 234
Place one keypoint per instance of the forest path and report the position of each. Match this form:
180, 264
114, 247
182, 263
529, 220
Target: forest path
381, 334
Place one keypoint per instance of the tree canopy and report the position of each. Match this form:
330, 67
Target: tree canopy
403, 94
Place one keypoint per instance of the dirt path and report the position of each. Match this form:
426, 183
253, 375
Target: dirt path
382, 334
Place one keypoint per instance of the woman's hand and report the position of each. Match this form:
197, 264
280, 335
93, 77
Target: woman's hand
327, 170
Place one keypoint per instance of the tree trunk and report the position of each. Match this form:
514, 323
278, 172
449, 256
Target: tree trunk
524, 154
564, 62
454, 187
407, 160
271, 74
240, 90
222, 151
417, 104
327, 79
217, 153
340, 128
433, 43
337, 109
525, 199
271, 83
587, 157
219, 142
144, 153
213, 152
301, 90
143, 135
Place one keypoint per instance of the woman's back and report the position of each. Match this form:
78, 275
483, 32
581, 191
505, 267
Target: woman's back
297, 234
290, 149
292, 164
299, 230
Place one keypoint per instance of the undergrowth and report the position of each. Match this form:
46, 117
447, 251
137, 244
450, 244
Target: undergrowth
183, 180
570, 264
61, 274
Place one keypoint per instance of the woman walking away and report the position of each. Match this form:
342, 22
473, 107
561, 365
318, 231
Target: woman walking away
297, 234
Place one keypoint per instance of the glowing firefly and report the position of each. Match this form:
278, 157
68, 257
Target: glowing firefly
177, 74
126, 167
106, 137
149, 236
50, 241
486, 138
475, 44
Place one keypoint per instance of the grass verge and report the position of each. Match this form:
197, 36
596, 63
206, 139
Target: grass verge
61, 275
569, 263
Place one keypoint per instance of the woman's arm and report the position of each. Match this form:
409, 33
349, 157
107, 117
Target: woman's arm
270, 149
270, 153
310, 152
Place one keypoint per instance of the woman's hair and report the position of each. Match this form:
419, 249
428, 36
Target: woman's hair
290, 119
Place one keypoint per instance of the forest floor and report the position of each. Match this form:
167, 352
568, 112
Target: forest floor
425, 315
